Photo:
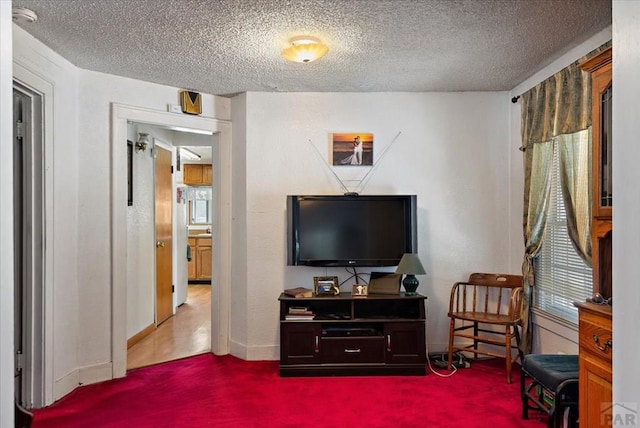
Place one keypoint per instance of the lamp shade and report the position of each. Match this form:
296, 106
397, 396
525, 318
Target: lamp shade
304, 49
410, 265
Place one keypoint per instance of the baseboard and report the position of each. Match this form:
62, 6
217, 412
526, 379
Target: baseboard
141, 335
65, 385
254, 353
82, 376
95, 373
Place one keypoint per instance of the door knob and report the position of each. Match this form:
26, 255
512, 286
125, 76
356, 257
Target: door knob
159, 244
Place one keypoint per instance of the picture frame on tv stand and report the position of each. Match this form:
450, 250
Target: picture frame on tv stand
359, 290
326, 285
384, 283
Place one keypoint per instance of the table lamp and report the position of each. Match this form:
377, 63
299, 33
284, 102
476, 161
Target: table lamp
410, 266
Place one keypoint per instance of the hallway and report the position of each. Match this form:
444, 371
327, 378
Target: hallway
187, 333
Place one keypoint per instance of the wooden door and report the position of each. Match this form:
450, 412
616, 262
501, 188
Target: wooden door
164, 272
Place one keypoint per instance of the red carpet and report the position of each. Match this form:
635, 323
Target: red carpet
210, 391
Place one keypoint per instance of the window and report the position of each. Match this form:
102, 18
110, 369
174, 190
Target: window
562, 277
200, 211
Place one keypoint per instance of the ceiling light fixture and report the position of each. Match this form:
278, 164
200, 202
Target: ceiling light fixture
190, 130
305, 49
189, 154
22, 15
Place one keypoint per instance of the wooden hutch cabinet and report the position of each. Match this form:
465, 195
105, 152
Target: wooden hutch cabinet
594, 329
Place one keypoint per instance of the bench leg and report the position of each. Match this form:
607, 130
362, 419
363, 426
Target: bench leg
523, 397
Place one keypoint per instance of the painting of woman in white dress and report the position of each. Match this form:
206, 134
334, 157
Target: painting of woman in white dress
353, 149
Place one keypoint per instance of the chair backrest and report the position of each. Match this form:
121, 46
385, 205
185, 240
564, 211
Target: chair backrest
496, 280
488, 293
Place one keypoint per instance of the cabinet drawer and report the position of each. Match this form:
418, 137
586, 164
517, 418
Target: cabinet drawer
596, 339
352, 350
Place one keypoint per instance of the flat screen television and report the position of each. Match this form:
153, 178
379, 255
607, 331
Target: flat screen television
350, 230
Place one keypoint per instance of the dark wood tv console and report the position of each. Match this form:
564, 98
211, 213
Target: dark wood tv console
373, 335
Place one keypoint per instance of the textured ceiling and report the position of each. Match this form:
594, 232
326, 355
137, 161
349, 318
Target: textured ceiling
229, 46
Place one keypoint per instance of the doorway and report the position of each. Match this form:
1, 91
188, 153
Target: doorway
28, 179
157, 225
221, 154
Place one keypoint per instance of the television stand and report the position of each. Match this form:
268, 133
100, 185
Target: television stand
353, 336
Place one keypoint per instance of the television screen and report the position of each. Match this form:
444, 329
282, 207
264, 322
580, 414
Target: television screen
350, 230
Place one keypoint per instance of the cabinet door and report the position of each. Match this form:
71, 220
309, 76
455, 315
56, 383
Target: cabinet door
204, 262
207, 175
405, 343
300, 343
192, 268
595, 392
192, 174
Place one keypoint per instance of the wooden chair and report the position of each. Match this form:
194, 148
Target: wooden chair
486, 300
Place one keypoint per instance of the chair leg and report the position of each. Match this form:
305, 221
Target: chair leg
507, 339
475, 341
451, 332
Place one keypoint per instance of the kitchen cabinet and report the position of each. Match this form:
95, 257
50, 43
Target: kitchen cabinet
200, 267
197, 174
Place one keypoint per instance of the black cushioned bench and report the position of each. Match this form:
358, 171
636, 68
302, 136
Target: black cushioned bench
558, 375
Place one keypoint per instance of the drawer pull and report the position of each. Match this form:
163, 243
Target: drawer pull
317, 347
352, 351
388, 343
607, 344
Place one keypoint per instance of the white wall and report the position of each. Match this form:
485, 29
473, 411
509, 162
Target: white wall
38, 67
6, 219
80, 289
452, 153
94, 131
240, 322
626, 176
550, 336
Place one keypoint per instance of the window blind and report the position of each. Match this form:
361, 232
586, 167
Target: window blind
562, 277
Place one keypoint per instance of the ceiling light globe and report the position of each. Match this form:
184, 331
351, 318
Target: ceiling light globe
305, 49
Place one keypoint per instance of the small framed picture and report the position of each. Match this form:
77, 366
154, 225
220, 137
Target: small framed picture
359, 290
326, 285
384, 283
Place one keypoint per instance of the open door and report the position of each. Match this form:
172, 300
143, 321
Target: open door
28, 247
164, 230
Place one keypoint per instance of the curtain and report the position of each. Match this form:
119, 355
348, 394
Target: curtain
189, 193
575, 180
537, 180
556, 111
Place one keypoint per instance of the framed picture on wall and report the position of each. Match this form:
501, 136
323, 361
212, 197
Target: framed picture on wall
129, 173
354, 148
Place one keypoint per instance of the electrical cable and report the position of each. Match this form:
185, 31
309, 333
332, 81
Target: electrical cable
454, 369
356, 275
